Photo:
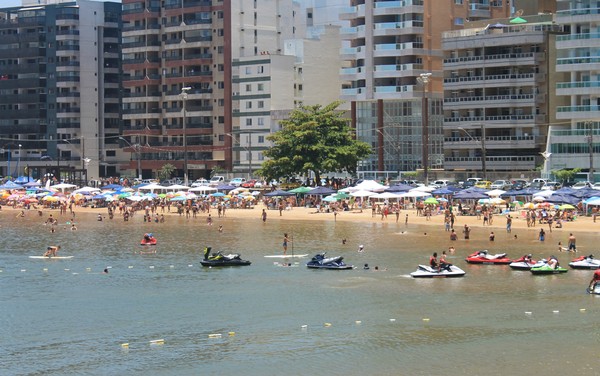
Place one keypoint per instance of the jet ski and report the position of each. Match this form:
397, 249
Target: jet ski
585, 262
594, 290
426, 271
524, 263
219, 259
483, 257
544, 268
319, 261
148, 239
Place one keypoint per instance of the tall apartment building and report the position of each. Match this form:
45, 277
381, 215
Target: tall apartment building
392, 44
179, 77
269, 86
497, 97
574, 140
59, 88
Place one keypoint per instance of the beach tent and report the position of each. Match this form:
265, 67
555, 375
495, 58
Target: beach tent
321, 191
279, 193
301, 189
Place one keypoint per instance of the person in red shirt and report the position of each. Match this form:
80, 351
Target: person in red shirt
595, 279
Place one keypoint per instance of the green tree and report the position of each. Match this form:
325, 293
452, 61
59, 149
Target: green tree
565, 175
313, 138
166, 171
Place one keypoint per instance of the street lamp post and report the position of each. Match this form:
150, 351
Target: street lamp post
483, 149
137, 148
424, 79
184, 96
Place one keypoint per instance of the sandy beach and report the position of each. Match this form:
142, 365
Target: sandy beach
581, 224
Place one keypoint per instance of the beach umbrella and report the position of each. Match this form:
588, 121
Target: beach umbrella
321, 191
443, 191
416, 193
566, 207
538, 199
362, 194
517, 20
529, 205
10, 185
279, 193
112, 186
441, 199
217, 194
399, 188
431, 200
495, 192
330, 198
369, 185
301, 189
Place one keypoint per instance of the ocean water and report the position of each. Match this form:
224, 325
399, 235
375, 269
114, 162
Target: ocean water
65, 317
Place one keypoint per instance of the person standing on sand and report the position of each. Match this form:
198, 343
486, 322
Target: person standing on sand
508, 223
572, 247
264, 215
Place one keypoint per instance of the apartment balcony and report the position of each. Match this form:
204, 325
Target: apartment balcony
353, 53
397, 49
397, 70
493, 101
395, 92
578, 15
495, 80
491, 142
576, 64
398, 28
498, 120
352, 32
586, 40
350, 13
352, 74
394, 8
577, 88
578, 112
504, 163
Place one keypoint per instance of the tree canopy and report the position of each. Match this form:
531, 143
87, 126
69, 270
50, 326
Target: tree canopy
314, 138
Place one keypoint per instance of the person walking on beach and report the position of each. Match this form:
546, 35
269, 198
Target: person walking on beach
572, 247
542, 235
508, 223
285, 243
264, 215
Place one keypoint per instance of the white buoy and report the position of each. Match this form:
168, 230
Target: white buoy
358, 322
88, 269
45, 269
23, 270
125, 345
392, 320
555, 311
190, 265
426, 319
151, 266
66, 270
214, 335
157, 341
581, 309
304, 326
171, 266
327, 324
130, 267
527, 312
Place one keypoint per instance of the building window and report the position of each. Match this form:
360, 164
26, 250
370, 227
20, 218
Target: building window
261, 121
458, 2
248, 87
261, 104
248, 104
260, 69
459, 21
261, 139
248, 122
261, 87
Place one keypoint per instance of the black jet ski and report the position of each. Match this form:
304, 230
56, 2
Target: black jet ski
319, 261
219, 259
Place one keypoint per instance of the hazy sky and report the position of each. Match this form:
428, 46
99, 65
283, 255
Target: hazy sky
16, 3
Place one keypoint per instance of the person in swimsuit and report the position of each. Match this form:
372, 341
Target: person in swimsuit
52, 250
285, 243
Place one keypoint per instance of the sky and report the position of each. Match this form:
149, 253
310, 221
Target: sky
17, 3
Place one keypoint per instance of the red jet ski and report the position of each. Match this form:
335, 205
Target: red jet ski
148, 239
483, 257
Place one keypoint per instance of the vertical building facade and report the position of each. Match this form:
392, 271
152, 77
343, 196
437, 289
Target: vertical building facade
497, 90
179, 77
59, 89
392, 45
574, 140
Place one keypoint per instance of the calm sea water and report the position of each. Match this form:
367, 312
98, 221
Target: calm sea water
64, 317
